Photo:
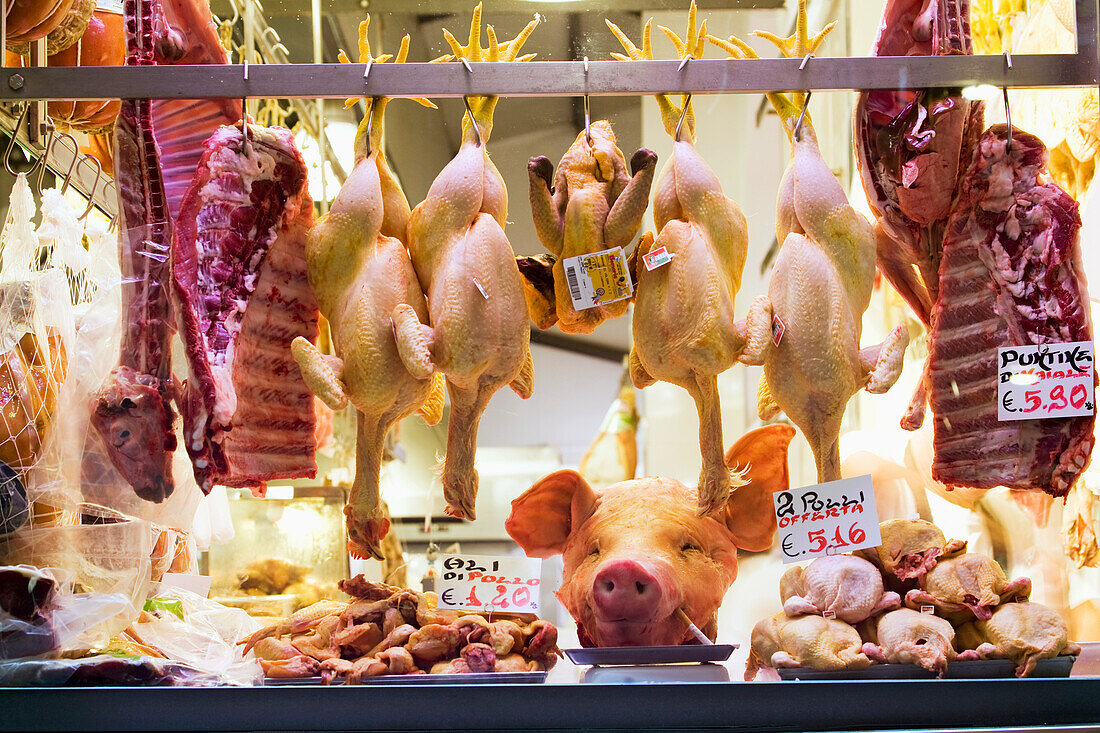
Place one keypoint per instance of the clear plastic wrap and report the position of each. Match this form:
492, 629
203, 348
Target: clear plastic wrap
104, 670
205, 638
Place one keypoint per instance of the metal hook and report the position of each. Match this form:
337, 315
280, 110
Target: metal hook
805, 61
269, 31
366, 69
683, 114
245, 62
11, 140
41, 162
684, 63
113, 224
801, 115
477, 132
370, 123
72, 166
1008, 59
1008, 117
466, 63
587, 111
95, 183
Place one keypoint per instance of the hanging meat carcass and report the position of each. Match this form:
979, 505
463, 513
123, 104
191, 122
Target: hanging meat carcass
479, 336
158, 144
361, 272
239, 277
683, 311
806, 330
1011, 275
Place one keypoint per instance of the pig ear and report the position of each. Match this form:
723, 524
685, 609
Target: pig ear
749, 513
546, 514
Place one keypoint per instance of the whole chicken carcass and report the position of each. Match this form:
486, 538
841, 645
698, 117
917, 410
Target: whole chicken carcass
812, 642
361, 273
806, 330
906, 636
847, 587
910, 548
683, 311
479, 336
1023, 632
967, 586
589, 206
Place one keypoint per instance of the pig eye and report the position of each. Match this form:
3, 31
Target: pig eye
593, 551
690, 547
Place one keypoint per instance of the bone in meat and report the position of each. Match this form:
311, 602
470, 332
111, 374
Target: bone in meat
133, 412
239, 277
1011, 275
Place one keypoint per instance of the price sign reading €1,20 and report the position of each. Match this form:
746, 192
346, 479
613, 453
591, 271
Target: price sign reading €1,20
1050, 380
490, 583
827, 519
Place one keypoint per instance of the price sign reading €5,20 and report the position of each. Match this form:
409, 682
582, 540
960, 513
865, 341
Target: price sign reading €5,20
827, 519
1050, 380
489, 583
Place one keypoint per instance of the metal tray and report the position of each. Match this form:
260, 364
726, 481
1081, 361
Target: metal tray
499, 678
979, 669
613, 655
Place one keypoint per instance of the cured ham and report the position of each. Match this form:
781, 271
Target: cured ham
239, 278
1011, 275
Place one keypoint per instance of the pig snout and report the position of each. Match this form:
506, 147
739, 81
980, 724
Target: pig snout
625, 589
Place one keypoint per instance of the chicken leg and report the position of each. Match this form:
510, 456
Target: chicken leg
366, 287
683, 311
479, 336
806, 330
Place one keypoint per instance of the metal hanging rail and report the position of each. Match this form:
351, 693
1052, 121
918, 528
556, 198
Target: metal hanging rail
550, 78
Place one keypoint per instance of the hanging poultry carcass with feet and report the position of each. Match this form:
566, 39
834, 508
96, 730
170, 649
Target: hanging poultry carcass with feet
806, 330
479, 335
683, 311
590, 205
360, 270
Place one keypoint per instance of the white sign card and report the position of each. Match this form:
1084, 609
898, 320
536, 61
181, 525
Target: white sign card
489, 583
1045, 381
827, 519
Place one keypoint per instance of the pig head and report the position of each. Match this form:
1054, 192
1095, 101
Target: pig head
636, 551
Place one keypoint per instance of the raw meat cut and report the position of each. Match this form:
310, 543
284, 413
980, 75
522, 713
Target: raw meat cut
967, 586
480, 334
636, 552
806, 331
1011, 275
133, 412
913, 145
186, 34
683, 324
239, 279
158, 144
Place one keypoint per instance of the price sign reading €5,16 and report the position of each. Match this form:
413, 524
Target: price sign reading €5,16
827, 519
490, 583
1050, 380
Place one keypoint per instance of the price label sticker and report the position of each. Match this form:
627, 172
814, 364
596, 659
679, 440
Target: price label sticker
928, 610
777, 330
827, 519
489, 583
1045, 381
598, 279
657, 257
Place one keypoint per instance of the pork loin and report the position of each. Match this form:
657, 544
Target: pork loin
239, 279
1011, 275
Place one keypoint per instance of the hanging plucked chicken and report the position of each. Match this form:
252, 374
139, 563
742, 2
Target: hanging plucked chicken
479, 335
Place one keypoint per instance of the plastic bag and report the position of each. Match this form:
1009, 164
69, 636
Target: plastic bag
104, 670
206, 637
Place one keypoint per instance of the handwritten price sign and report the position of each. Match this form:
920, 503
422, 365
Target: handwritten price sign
827, 519
489, 583
1051, 380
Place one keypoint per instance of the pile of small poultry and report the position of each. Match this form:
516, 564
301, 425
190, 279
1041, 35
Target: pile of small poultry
386, 630
917, 599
